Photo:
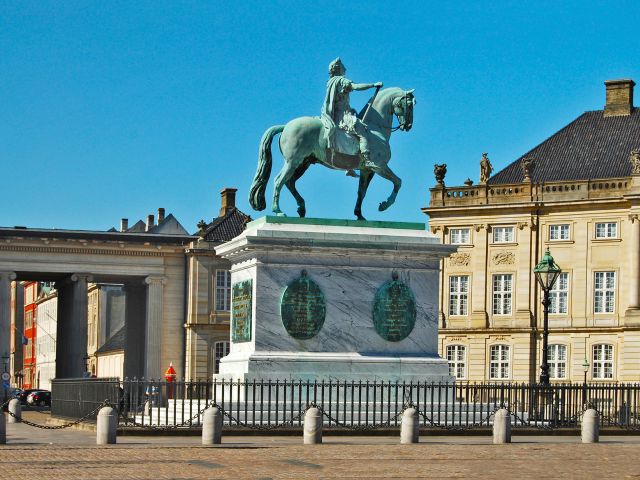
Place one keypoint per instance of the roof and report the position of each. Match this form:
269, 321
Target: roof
115, 343
592, 146
227, 227
127, 236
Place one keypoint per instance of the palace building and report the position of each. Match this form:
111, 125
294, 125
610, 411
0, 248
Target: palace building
578, 195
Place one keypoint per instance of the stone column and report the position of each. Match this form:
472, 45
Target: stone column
153, 346
71, 341
135, 321
5, 318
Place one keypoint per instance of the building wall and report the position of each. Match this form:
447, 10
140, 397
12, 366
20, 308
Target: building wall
17, 329
29, 350
110, 365
207, 311
531, 212
46, 320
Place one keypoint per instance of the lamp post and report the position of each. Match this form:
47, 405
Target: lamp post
585, 366
547, 272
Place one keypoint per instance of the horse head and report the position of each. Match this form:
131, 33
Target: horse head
403, 109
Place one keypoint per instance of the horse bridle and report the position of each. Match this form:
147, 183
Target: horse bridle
405, 97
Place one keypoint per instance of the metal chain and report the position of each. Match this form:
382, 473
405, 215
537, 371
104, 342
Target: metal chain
184, 423
64, 425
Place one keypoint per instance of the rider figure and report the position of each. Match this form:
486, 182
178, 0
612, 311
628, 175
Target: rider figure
336, 110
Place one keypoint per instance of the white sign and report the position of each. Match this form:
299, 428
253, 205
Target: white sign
6, 376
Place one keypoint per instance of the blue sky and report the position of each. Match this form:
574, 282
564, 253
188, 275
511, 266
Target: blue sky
113, 109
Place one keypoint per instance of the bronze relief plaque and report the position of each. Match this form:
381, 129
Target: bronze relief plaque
394, 310
241, 309
303, 308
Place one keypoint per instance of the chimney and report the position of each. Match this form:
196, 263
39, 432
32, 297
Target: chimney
160, 215
149, 222
124, 224
228, 200
619, 97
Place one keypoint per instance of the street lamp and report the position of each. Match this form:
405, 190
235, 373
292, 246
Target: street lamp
585, 366
547, 272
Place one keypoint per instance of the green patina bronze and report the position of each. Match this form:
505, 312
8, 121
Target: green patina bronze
394, 310
303, 308
241, 308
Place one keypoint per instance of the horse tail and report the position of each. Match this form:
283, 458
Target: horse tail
260, 179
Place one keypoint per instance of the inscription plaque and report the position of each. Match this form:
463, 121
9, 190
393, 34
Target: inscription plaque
303, 308
241, 308
394, 310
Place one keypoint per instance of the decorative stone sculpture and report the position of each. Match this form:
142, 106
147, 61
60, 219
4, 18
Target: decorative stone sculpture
305, 141
485, 168
634, 158
527, 167
440, 171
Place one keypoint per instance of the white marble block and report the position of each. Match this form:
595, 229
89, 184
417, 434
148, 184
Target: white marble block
349, 261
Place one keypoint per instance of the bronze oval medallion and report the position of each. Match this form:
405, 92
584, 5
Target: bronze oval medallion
394, 310
303, 308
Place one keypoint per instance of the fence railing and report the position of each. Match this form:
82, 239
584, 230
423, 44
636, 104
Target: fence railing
349, 404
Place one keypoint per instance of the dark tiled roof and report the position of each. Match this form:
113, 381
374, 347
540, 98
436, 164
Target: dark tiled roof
223, 229
115, 343
590, 147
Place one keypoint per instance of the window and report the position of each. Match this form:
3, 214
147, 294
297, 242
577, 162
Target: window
559, 295
499, 362
459, 236
607, 230
604, 295
458, 295
503, 234
557, 361
502, 288
559, 232
221, 350
223, 290
603, 362
456, 357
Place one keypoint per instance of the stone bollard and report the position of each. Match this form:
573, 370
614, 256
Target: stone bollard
212, 426
16, 409
3, 429
502, 426
410, 426
107, 424
590, 426
313, 426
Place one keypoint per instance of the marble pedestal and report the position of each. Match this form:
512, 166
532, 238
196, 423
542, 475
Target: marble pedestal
349, 261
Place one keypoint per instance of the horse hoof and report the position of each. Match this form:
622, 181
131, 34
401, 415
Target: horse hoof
360, 218
280, 214
302, 212
383, 206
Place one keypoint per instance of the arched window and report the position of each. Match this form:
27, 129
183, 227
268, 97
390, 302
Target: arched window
602, 362
221, 349
557, 361
500, 362
457, 358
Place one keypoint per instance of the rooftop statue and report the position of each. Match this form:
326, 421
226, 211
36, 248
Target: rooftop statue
339, 139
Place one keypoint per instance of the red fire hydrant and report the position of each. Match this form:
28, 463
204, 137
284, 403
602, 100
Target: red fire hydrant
170, 376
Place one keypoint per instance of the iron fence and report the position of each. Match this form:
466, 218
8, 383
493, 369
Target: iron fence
350, 404
78, 397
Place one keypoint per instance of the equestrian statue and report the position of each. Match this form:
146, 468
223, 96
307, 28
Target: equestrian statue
338, 139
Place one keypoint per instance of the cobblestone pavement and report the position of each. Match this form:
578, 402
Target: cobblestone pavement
72, 454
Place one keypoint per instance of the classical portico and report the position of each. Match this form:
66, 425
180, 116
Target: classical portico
151, 266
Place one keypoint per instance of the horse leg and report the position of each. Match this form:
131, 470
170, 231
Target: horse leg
291, 185
385, 172
365, 179
287, 171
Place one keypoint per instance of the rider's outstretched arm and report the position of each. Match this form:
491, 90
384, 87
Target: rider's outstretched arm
365, 86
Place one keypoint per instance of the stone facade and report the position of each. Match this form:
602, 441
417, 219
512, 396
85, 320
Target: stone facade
490, 309
209, 291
